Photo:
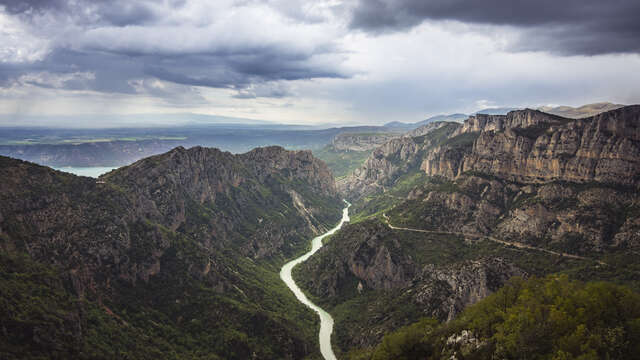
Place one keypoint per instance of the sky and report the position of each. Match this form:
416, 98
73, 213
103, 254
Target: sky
311, 62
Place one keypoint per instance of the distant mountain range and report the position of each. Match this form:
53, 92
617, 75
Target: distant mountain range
566, 111
65, 147
457, 117
581, 111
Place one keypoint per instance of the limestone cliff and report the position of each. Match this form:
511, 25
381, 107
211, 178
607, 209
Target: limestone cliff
524, 145
475, 203
393, 159
534, 147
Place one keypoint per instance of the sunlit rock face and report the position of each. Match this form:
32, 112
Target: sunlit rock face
525, 145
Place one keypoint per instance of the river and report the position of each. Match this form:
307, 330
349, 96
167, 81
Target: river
326, 321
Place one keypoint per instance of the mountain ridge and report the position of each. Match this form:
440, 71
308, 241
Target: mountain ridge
188, 241
455, 186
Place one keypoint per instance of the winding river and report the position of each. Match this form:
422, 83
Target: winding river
326, 321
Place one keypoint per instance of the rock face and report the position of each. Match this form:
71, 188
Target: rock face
530, 146
394, 158
372, 253
604, 148
526, 179
206, 194
579, 219
446, 290
164, 185
525, 146
369, 256
172, 224
425, 129
513, 120
361, 141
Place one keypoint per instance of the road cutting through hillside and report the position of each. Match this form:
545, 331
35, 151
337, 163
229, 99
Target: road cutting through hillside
491, 238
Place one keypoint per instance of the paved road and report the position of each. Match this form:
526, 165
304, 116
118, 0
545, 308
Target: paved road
491, 238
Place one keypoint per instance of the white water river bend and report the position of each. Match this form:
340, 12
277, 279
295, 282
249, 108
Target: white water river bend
326, 321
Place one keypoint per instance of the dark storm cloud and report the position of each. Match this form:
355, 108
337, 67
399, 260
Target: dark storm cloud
120, 42
112, 12
113, 71
572, 27
22, 6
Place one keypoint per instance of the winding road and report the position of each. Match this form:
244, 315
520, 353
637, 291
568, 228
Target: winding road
491, 238
326, 321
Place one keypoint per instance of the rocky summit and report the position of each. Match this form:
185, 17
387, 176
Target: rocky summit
184, 243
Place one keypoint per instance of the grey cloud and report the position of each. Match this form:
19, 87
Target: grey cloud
113, 71
234, 65
22, 6
92, 12
128, 13
571, 27
268, 90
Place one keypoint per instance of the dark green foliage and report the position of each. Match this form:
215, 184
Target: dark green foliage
375, 311
107, 279
341, 163
173, 316
541, 318
411, 342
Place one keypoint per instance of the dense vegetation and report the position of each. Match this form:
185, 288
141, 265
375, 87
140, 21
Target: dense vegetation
172, 317
540, 318
375, 311
341, 163
83, 275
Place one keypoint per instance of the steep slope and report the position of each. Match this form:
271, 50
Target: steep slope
182, 248
446, 217
525, 145
542, 318
530, 146
393, 159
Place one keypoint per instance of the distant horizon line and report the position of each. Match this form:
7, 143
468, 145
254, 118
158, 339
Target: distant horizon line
232, 120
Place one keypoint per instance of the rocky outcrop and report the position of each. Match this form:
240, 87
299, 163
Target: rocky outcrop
578, 219
534, 147
120, 226
164, 186
425, 129
382, 269
376, 257
393, 159
167, 241
361, 141
518, 119
525, 146
446, 290
382, 167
